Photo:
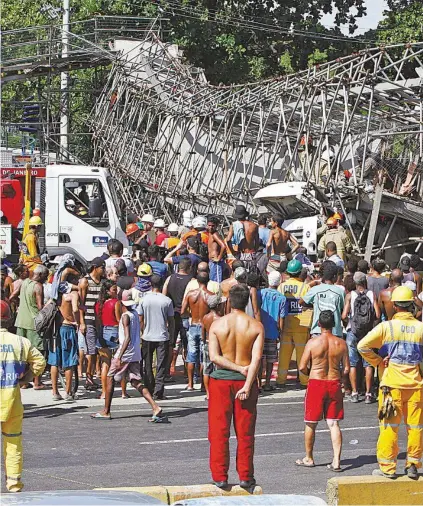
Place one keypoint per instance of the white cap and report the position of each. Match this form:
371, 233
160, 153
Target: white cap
159, 223
173, 227
187, 217
70, 202
274, 278
199, 222
148, 218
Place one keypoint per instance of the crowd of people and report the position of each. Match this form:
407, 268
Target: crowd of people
232, 309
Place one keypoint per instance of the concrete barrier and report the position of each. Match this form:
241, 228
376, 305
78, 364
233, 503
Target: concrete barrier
169, 495
374, 490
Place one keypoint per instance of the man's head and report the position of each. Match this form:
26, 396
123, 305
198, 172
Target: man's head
115, 248
360, 279
97, 267
276, 220
199, 223
331, 249
212, 224
405, 264
396, 277
363, 266
70, 205
253, 279
185, 266
326, 320
153, 252
112, 274
378, 265
241, 274
236, 264
332, 223
173, 229
21, 271
144, 271
6, 320
239, 296
352, 265
215, 302
403, 299
294, 268
156, 282
121, 267
415, 262
329, 271
159, 225
349, 283
274, 279
262, 220
193, 245
35, 223
41, 273
187, 217
203, 267
148, 221
203, 278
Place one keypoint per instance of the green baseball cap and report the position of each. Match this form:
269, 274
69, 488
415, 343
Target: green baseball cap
294, 267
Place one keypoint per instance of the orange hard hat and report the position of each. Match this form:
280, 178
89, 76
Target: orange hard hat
332, 222
131, 228
337, 216
36, 212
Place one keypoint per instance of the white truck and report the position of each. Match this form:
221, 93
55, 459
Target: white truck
79, 208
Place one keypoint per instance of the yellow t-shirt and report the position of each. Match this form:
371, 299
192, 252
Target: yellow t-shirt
298, 318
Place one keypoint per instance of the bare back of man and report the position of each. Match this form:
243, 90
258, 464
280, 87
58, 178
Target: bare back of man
226, 285
251, 241
197, 302
324, 398
385, 304
279, 238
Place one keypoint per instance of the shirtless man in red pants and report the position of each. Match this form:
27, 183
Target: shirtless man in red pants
235, 346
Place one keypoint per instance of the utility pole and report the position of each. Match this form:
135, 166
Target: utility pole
64, 85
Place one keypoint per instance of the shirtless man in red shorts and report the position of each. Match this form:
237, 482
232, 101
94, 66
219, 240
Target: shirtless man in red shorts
324, 398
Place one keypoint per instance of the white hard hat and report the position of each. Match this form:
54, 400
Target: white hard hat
199, 222
148, 218
328, 154
159, 223
173, 227
70, 202
187, 217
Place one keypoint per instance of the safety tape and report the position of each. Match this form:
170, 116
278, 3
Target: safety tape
383, 424
413, 426
12, 435
412, 459
13, 478
387, 461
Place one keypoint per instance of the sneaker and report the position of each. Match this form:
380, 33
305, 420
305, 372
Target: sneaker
354, 397
57, 397
369, 399
412, 472
69, 398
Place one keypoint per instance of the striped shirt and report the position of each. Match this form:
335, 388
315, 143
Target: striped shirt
93, 291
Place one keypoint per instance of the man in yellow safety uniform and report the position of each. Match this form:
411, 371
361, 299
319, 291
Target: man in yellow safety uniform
30, 252
296, 331
400, 341
18, 361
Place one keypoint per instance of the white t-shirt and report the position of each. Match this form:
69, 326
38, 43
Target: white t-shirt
111, 261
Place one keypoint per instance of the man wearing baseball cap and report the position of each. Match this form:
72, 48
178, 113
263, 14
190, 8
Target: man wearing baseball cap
274, 309
127, 360
296, 331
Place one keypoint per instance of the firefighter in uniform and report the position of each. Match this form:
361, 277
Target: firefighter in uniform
30, 251
338, 236
296, 331
400, 341
19, 361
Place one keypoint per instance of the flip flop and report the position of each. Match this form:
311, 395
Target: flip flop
101, 417
189, 389
301, 463
41, 387
334, 469
157, 419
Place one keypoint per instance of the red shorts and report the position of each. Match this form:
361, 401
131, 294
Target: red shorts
323, 399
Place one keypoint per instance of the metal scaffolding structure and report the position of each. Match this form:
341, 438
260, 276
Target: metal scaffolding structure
173, 141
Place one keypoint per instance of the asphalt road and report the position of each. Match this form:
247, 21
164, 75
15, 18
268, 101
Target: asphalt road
65, 449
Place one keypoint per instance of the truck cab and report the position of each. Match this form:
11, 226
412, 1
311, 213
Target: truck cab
80, 210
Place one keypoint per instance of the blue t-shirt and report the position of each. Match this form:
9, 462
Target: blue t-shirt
326, 297
195, 260
273, 306
159, 268
263, 236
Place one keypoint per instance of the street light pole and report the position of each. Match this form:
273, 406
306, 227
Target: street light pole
64, 85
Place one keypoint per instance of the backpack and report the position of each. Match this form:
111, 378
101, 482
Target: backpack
364, 315
44, 320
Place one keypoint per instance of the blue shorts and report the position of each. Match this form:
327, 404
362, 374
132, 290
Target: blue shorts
355, 357
194, 340
216, 270
66, 353
110, 337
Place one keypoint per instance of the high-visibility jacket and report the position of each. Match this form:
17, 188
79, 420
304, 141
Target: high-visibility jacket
30, 254
402, 340
298, 318
16, 353
340, 238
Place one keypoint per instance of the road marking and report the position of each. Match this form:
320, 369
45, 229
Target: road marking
270, 434
92, 485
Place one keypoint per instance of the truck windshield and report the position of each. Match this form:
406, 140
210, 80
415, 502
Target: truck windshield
114, 197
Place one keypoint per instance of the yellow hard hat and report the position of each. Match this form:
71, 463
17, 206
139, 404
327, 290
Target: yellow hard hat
331, 222
402, 294
35, 221
337, 216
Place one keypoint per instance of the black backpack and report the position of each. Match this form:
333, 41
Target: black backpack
364, 315
44, 320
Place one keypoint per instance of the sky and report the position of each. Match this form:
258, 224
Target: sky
375, 10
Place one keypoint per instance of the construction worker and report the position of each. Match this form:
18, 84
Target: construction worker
400, 341
296, 331
19, 362
338, 236
30, 252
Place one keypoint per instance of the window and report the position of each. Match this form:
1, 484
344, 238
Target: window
85, 199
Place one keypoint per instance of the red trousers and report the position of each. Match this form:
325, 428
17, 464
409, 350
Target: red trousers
222, 406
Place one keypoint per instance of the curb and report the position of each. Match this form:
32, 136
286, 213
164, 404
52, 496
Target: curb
169, 495
374, 490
